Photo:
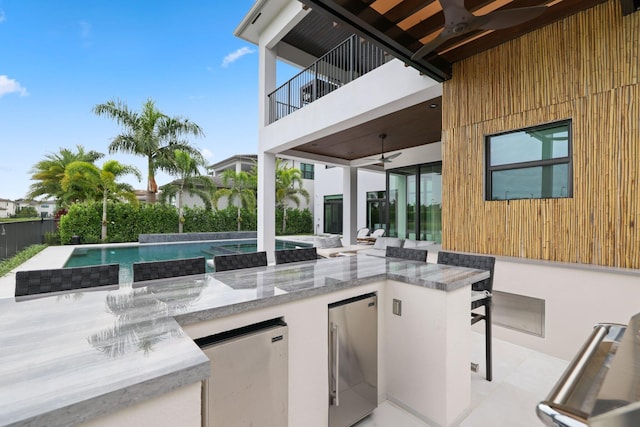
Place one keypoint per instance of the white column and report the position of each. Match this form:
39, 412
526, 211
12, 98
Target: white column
267, 204
266, 82
266, 161
349, 205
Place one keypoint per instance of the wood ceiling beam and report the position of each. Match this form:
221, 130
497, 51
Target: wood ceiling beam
394, 40
555, 13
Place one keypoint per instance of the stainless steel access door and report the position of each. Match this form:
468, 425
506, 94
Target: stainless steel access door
353, 360
248, 385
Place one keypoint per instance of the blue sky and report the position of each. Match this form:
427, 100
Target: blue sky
58, 59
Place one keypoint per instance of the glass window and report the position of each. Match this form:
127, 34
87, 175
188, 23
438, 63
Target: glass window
532, 163
333, 214
307, 170
415, 202
376, 210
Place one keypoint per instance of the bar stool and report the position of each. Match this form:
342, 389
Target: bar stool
285, 256
238, 261
151, 270
34, 282
406, 253
481, 293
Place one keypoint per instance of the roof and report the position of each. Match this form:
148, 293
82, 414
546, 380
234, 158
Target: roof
404, 27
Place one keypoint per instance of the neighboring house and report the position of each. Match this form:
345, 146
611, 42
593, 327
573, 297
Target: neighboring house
246, 162
7, 208
519, 143
44, 208
324, 186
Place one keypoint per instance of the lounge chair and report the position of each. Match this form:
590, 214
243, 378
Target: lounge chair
362, 235
375, 234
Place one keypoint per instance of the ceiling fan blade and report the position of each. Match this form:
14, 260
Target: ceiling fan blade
393, 156
455, 12
459, 21
501, 19
432, 45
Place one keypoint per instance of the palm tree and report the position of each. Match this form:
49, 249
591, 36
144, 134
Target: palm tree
149, 133
240, 189
85, 181
48, 173
288, 188
190, 181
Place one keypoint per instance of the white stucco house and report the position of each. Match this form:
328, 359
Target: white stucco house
443, 120
7, 208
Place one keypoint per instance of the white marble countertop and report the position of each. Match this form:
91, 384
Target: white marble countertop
68, 358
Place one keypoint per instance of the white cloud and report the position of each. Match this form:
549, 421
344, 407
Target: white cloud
234, 56
85, 29
3, 16
8, 85
85, 33
207, 154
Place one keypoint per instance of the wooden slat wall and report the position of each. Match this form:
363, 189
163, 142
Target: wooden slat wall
586, 68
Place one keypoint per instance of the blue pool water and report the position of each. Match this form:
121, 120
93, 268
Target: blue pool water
127, 255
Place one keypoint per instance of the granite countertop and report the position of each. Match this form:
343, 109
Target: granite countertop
68, 358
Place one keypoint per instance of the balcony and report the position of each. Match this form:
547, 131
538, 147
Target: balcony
349, 60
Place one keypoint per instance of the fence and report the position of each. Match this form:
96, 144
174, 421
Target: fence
15, 236
351, 59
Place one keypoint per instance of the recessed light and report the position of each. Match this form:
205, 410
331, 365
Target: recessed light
433, 105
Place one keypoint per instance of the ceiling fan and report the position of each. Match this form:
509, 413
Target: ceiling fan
382, 158
459, 21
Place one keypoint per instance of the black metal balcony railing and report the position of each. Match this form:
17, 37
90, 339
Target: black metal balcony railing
351, 59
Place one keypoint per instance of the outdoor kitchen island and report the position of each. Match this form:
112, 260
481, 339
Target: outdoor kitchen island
127, 356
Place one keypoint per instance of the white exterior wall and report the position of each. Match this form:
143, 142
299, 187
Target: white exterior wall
329, 182
307, 184
362, 100
46, 208
7, 208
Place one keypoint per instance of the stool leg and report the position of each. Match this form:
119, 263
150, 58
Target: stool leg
487, 334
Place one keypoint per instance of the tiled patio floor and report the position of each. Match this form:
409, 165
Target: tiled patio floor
521, 379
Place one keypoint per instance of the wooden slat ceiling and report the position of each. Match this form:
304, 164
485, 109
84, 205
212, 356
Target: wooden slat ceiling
404, 26
417, 125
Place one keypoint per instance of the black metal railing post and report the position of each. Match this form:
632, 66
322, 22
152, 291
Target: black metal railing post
326, 74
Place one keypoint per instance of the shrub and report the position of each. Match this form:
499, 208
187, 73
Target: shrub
10, 263
52, 238
298, 221
127, 221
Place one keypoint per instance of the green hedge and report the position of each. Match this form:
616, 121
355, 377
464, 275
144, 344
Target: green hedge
126, 221
298, 222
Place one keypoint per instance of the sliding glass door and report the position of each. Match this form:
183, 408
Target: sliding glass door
333, 214
430, 226
415, 202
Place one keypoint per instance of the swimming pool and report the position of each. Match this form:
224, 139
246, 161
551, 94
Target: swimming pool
127, 255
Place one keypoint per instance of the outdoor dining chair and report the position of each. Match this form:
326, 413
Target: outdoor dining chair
285, 256
406, 253
151, 270
34, 282
238, 261
481, 293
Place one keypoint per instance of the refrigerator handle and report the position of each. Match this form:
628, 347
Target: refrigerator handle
336, 364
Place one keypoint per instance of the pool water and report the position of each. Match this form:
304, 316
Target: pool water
127, 255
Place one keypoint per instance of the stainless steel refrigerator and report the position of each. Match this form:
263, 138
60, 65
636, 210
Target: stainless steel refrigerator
353, 359
248, 385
